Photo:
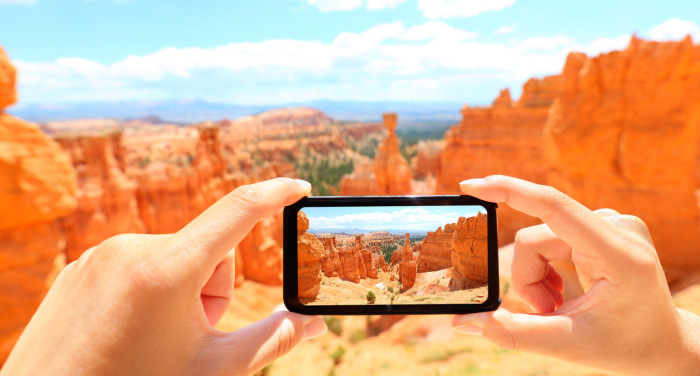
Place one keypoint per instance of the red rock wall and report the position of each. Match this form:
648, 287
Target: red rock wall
105, 196
436, 249
501, 139
428, 158
407, 268
37, 186
470, 253
331, 258
624, 133
310, 256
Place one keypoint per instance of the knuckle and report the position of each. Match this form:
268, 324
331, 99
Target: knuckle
636, 223
286, 339
248, 195
606, 212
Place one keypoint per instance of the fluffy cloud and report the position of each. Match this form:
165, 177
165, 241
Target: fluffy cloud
434, 9
346, 5
431, 61
409, 218
674, 29
16, 2
504, 30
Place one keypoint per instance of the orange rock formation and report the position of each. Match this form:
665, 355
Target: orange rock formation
436, 249
428, 158
310, 256
407, 269
469, 253
501, 139
37, 186
391, 169
105, 196
624, 133
390, 173
331, 259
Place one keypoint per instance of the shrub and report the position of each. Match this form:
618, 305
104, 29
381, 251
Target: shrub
337, 354
334, 324
371, 297
357, 336
390, 289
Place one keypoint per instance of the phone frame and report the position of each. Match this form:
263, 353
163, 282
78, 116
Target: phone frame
290, 256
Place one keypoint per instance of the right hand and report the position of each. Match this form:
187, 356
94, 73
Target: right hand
625, 321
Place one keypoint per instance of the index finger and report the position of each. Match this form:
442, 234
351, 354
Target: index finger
575, 224
213, 234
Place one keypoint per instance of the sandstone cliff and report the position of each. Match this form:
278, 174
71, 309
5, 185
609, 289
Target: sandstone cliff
105, 196
407, 268
436, 249
37, 186
506, 139
624, 133
331, 258
310, 256
469, 253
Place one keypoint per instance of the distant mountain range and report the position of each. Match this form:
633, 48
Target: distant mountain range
192, 111
357, 231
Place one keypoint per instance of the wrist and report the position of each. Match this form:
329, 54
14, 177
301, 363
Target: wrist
686, 361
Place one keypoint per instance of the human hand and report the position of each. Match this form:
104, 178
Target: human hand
625, 321
147, 304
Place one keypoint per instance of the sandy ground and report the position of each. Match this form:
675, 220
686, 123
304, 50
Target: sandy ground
429, 288
416, 345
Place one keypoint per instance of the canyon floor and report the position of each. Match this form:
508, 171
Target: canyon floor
429, 288
416, 345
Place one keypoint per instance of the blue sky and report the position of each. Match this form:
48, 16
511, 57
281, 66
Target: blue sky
267, 52
381, 218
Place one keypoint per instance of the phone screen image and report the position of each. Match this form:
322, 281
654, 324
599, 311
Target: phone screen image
392, 255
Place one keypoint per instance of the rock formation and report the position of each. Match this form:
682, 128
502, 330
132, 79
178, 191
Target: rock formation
436, 249
331, 259
624, 133
361, 182
391, 169
348, 264
506, 139
389, 173
310, 256
428, 158
470, 253
105, 196
407, 270
37, 186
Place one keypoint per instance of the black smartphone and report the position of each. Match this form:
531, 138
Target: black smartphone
380, 255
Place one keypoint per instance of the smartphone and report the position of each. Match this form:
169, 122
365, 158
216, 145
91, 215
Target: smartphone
383, 255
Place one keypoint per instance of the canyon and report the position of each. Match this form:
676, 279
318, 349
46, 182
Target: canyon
619, 130
345, 272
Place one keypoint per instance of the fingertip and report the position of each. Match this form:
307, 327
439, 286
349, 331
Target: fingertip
314, 328
304, 185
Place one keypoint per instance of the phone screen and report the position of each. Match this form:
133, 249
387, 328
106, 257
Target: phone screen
392, 255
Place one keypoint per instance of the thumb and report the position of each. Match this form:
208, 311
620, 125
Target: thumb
543, 333
257, 345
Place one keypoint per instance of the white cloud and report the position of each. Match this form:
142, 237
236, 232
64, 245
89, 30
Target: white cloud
409, 218
434, 9
346, 5
429, 61
504, 30
17, 2
674, 29
383, 4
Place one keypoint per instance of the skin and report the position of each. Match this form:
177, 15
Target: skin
624, 320
147, 304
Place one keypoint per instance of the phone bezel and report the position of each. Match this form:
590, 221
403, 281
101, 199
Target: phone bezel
290, 259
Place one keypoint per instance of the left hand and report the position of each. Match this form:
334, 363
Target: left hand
147, 304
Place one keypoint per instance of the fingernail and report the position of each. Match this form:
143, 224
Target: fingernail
474, 320
305, 185
469, 329
471, 181
314, 329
